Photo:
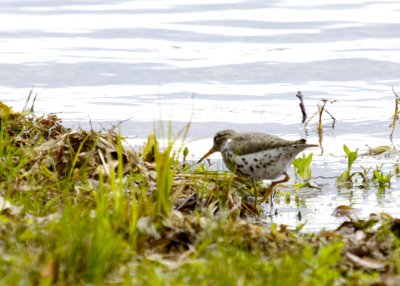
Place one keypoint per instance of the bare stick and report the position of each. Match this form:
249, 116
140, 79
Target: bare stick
396, 114
27, 101
333, 118
321, 108
321, 111
30, 109
302, 107
33, 103
312, 116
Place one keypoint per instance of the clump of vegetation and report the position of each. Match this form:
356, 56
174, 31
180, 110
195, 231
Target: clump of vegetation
348, 178
381, 179
79, 207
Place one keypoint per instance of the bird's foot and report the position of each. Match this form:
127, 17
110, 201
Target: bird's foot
269, 193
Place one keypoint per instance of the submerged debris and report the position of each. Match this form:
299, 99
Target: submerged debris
372, 151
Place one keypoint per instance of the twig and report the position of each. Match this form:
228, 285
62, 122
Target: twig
321, 109
302, 107
27, 101
309, 119
333, 118
30, 109
396, 113
33, 103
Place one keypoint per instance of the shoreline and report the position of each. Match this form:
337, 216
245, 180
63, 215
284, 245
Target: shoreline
86, 210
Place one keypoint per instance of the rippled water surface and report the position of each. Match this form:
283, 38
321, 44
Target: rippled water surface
219, 64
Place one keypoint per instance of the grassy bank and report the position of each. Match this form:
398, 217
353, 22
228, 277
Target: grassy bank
79, 208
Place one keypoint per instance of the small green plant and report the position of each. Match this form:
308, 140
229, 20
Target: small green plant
347, 176
380, 178
364, 175
302, 169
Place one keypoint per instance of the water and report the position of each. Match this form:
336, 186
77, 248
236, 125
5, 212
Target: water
219, 64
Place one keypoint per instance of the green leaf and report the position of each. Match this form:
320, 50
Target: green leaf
378, 175
346, 150
302, 167
351, 157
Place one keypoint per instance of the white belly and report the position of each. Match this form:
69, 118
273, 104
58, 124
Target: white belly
264, 165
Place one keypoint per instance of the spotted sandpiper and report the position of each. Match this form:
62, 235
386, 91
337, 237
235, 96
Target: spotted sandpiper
257, 156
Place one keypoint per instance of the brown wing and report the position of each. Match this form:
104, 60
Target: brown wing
246, 143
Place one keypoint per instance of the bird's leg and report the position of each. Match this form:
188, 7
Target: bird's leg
269, 192
255, 195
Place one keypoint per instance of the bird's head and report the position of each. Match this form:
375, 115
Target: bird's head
219, 140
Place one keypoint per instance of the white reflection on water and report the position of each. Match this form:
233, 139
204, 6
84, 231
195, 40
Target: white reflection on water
220, 64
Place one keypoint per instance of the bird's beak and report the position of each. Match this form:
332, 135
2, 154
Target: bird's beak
212, 150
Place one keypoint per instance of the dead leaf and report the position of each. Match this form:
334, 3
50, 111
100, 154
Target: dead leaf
343, 210
366, 262
377, 150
